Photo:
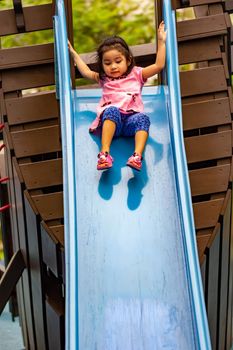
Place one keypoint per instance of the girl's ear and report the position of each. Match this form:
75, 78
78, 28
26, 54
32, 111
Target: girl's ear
129, 61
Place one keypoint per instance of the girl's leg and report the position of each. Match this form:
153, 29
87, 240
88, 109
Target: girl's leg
111, 125
137, 124
108, 131
141, 137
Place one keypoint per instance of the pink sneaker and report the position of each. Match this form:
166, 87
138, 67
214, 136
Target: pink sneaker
135, 161
104, 161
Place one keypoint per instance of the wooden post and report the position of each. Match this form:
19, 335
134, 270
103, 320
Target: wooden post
10, 277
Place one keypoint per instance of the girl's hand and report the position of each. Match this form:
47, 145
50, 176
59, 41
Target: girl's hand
162, 34
70, 47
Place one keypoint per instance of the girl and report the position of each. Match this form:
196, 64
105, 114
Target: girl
120, 110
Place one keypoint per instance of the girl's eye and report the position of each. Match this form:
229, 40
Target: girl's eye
118, 61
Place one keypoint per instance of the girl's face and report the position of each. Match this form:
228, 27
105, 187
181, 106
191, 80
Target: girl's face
114, 63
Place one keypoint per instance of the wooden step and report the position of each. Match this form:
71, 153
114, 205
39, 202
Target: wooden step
204, 81
42, 174
206, 113
198, 50
28, 77
31, 108
202, 27
208, 147
36, 141
26, 56
50, 206
51, 250
206, 213
210, 180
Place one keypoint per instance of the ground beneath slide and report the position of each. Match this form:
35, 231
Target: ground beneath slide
133, 291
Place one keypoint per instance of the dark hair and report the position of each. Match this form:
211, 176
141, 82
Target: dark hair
114, 42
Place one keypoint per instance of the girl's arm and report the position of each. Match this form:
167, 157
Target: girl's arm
159, 64
84, 70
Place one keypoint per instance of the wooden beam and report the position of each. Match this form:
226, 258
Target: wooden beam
10, 277
36, 18
26, 56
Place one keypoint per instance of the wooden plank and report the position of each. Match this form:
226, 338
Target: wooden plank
50, 206
202, 261
42, 174
204, 80
224, 270
36, 271
206, 113
202, 241
210, 146
36, 18
212, 253
56, 324
229, 335
215, 9
199, 50
201, 27
36, 141
206, 214
26, 56
28, 77
58, 232
209, 180
12, 217
179, 3
201, 11
19, 187
203, 2
10, 277
31, 108
50, 250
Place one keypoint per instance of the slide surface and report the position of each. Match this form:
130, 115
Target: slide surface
133, 287
132, 271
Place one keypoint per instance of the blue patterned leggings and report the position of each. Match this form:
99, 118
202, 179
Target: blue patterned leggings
126, 124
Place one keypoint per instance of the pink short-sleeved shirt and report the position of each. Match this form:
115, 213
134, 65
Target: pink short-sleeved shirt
123, 93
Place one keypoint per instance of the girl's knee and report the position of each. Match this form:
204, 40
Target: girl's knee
143, 122
111, 113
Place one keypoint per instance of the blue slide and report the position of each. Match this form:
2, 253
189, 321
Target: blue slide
132, 271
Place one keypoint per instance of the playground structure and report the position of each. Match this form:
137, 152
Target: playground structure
33, 155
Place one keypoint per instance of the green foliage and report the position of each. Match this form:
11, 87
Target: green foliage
185, 14
94, 20
27, 39
1, 253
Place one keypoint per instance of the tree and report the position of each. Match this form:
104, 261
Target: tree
93, 20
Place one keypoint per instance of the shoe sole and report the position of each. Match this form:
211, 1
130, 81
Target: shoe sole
133, 166
104, 167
